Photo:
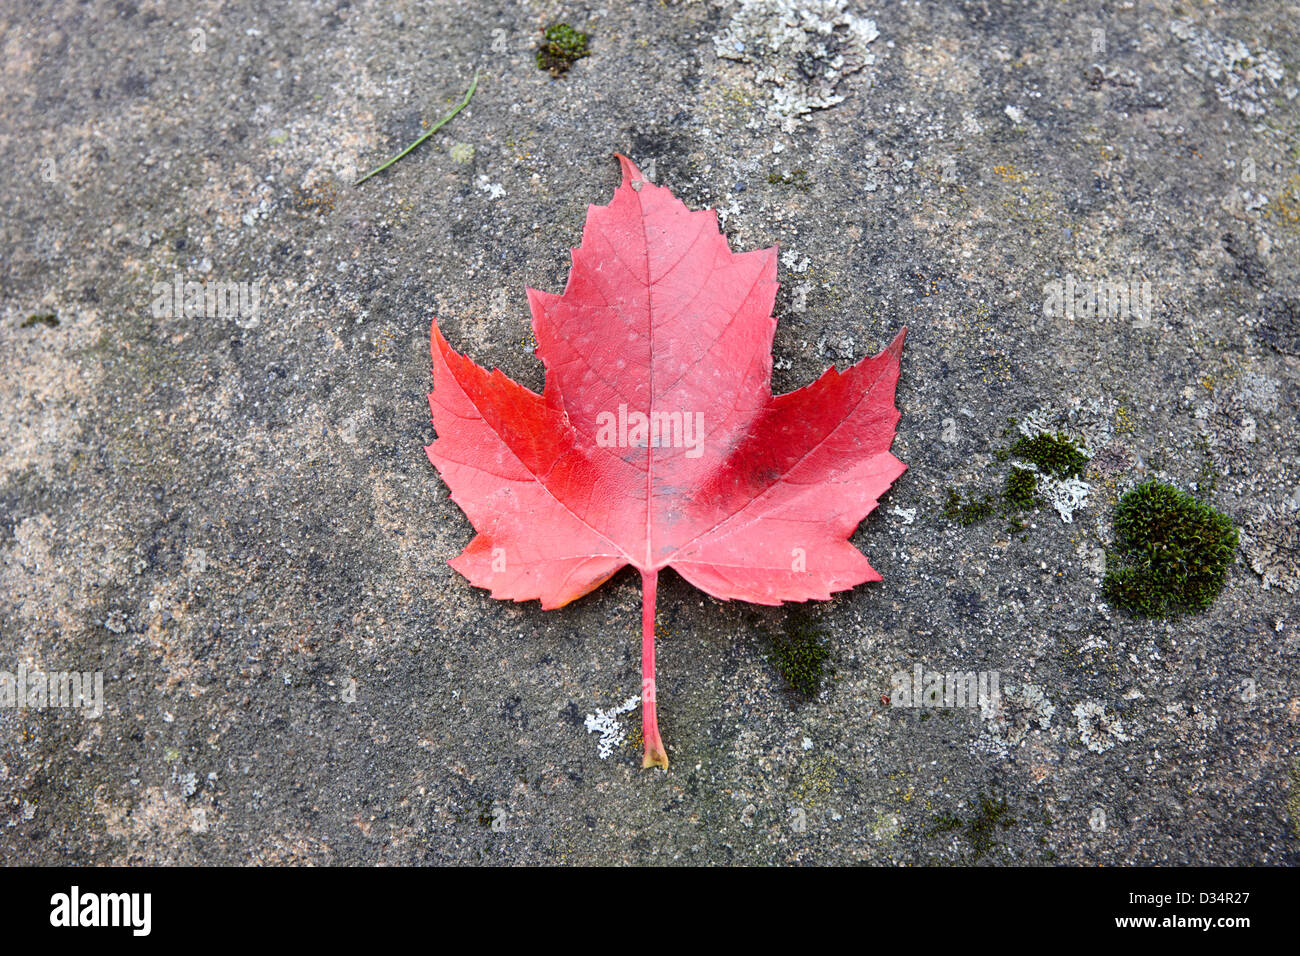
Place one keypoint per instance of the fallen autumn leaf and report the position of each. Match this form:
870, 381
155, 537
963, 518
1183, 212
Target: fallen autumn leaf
656, 441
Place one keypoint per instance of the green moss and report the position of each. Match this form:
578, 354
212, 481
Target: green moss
1206, 480
966, 513
47, 319
1021, 484
561, 47
945, 823
1053, 454
981, 829
800, 654
1171, 552
798, 179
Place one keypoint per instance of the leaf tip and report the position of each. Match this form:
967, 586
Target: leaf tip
896, 346
631, 173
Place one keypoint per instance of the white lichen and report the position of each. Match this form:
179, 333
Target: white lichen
1091, 419
1243, 78
907, 515
1066, 495
188, 782
802, 50
606, 723
485, 185
1098, 730
1037, 706
1012, 717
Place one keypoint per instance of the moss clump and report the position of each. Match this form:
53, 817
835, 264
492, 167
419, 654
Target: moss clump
1021, 484
800, 654
983, 826
1054, 454
945, 823
981, 829
966, 513
561, 47
47, 319
1171, 552
798, 179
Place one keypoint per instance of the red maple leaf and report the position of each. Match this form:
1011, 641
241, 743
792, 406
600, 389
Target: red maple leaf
657, 441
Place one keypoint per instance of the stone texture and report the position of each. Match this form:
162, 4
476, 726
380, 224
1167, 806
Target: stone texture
231, 515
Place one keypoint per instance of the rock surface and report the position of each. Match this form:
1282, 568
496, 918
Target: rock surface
227, 510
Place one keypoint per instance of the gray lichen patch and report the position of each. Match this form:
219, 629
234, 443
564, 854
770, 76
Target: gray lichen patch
1098, 729
1271, 542
802, 51
1243, 77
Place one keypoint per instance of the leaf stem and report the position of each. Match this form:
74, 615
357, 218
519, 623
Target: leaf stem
432, 129
655, 755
